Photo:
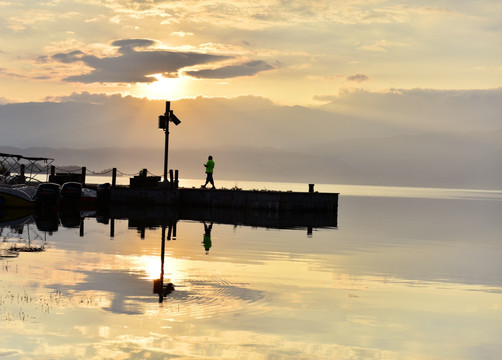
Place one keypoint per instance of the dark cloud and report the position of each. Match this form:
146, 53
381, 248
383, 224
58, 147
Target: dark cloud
358, 78
247, 69
70, 57
133, 65
128, 45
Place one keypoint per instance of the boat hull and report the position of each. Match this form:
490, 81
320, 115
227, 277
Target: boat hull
16, 198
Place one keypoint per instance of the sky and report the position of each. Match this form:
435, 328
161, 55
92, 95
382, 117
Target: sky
334, 80
292, 52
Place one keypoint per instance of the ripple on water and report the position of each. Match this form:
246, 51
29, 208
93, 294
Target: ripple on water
205, 298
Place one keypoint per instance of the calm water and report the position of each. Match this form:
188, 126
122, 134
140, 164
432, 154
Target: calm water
408, 273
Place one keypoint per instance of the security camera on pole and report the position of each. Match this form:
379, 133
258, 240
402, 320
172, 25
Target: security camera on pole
164, 121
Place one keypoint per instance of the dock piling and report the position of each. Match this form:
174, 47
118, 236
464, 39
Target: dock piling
84, 170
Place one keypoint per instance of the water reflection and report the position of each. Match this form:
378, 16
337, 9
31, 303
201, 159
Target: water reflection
49, 221
158, 284
16, 235
400, 279
206, 239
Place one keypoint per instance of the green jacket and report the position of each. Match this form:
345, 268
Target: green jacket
209, 166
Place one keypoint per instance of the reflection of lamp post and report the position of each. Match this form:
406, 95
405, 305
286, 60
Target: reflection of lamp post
164, 124
158, 284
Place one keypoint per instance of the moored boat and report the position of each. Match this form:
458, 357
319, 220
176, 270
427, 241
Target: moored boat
47, 194
17, 197
89, 196
72, 193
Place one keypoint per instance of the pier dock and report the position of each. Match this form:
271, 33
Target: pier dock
224, 198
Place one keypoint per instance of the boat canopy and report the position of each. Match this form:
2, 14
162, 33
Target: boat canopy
26, 167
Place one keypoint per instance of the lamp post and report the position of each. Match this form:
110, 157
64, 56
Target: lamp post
164, 121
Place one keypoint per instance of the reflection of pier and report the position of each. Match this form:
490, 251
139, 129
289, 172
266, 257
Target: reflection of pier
46, 220
157, 216
164, 217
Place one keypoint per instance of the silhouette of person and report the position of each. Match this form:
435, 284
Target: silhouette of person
209, 165
206, 239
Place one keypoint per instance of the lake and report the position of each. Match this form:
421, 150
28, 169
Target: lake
406, 273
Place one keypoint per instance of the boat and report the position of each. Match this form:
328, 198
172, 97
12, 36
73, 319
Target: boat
72, 193
21, 186
47, 194
18, 179
89, 196
17, 197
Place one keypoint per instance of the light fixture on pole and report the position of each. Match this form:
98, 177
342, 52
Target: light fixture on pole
164, 121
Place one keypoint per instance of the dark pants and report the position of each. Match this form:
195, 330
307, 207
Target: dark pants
209, 179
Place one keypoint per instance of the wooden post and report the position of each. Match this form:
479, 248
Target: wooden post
81, 229
171, 178
169, 232
53, 170
311, 188
22, 170
176, 181
84, 170
114, 177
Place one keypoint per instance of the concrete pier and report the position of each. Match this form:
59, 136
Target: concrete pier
259, 200
228, 199
144, 196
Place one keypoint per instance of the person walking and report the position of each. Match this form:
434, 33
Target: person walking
209, 165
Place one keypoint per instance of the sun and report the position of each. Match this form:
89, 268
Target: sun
164, 88
150, 267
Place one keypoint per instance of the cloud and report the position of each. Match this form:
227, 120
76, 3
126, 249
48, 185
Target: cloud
246, 69
382, 46
4, 101
182, 33
358, 78
325, 98
68, 58
133, 65
424, 109
128, 45
6, 73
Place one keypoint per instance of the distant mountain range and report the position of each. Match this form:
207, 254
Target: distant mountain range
408, 138
443, 159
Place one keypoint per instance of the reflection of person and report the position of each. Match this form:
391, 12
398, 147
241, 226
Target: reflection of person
206, 239
209, 165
